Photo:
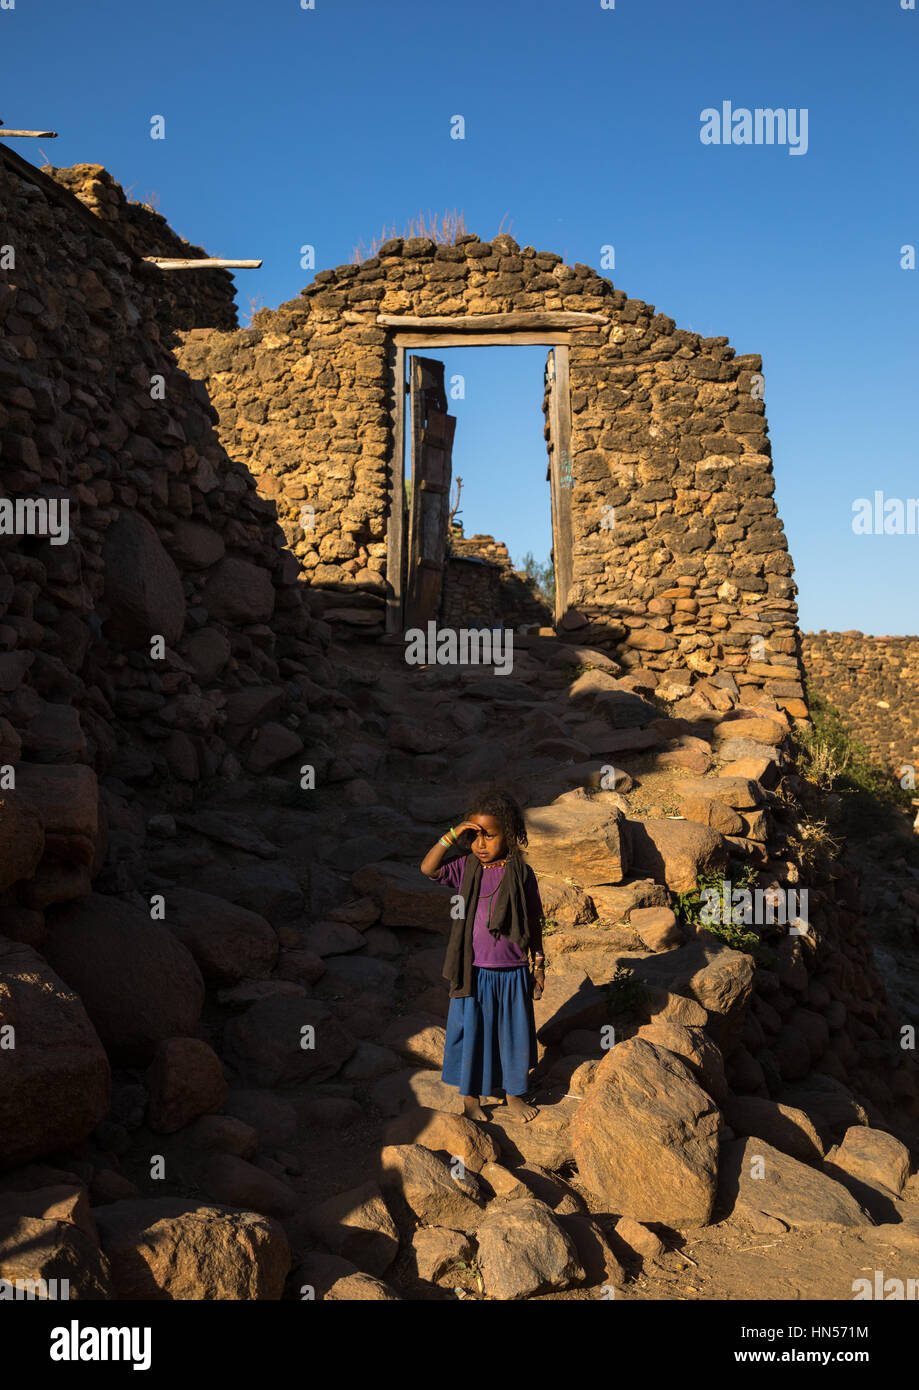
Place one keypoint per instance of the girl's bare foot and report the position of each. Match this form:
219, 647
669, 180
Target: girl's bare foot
518, 1108
472, 1108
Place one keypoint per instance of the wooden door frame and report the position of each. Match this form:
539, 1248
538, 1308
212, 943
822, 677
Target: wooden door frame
555, 330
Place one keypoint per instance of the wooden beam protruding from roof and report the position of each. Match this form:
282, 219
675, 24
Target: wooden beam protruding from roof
200, 263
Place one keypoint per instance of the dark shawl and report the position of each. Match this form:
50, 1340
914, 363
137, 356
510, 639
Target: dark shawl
508, 918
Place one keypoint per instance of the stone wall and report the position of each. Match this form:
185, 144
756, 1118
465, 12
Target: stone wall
186, 298
168, 538
680, 559
481, 586
874, 683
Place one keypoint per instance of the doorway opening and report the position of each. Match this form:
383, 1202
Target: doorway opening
479, 547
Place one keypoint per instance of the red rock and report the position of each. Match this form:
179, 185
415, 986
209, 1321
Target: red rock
143, 589
56, 1083
22, 838
675, 851
237, 591
168, 1248
186, 1080
138, 982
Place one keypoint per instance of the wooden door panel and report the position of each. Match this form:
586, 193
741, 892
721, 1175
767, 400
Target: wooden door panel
432, 448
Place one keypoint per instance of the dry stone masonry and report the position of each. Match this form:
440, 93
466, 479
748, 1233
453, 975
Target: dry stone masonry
481, 587
874, 683
679, 557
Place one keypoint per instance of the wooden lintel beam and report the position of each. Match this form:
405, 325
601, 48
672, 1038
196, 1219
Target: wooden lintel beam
201, 263
485, 323
548, 337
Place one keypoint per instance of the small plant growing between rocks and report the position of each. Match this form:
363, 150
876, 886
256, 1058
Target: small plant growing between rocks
690, 905
625, 992
474, 1270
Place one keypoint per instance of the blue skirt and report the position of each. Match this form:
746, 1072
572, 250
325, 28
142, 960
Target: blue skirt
490, 1042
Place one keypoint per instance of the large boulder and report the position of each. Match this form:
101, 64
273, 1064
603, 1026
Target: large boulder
871, 1156
186, 1080
358, 1226
138, 982
696, 1049
66, 799
773, 1192
47, 1252
451, 1135
434, 1192
525, 1250
579, 839
287, 1039
166, 1248
55, 1080
143, 587
22, 839
229, 943
236, 591
715, 976
645, 1137
406, 897
331, 1279
782, 1126
676, 852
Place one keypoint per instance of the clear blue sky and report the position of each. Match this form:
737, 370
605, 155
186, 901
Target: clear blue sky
286, 126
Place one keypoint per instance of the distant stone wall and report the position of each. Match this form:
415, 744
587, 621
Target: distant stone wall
680, 562
874, 683
482, 586
186, 298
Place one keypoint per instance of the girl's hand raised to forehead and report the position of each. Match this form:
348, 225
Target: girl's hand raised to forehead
465, 825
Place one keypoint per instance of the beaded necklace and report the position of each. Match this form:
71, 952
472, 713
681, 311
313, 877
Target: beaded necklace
496, 864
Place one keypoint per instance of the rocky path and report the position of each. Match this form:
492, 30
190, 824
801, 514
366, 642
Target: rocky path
746, 1137
368, 949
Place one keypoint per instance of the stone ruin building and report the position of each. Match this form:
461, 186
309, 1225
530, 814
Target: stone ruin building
668, 549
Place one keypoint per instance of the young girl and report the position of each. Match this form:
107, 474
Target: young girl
490, 1041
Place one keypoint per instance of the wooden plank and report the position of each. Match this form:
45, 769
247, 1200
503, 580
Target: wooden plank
28, 134
432, 444
395, 529
201, 263
484, 323
440, 340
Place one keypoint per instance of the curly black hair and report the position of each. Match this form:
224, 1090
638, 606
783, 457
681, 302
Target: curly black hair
495, 801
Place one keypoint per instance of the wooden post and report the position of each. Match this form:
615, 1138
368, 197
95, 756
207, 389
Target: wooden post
395, 527
561, 476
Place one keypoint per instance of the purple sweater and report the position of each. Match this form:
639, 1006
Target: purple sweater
486, 951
